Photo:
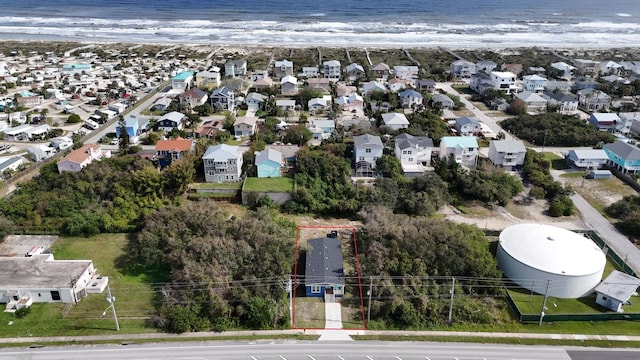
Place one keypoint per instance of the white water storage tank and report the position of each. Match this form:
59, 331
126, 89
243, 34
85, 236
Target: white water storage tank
532, 255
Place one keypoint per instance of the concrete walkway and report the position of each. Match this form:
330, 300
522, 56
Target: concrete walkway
332, 316
332, 335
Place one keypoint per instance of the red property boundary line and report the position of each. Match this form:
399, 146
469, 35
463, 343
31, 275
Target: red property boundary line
295, 273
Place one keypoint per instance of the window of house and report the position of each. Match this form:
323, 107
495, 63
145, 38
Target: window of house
368, 151
410, 159
55, 295
470, 149
315, 289
361, 158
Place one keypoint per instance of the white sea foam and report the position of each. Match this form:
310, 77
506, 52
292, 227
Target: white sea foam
329, 33
623, 14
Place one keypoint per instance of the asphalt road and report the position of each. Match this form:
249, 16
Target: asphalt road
491, 123
616, 241
311, 350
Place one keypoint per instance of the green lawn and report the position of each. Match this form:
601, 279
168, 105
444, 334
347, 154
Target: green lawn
241, 113
130, 285
224, 185
309, 313
278, 184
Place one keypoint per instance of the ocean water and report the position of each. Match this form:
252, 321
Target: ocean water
388, 23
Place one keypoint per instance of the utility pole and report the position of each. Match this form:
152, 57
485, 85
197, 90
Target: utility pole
369, 306
111, 300
544, 302
290, 290
453, 286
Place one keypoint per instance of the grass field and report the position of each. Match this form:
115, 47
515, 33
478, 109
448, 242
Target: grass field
225, 185
277, 184
130, 285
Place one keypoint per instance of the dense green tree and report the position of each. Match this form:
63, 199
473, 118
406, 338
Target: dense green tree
74, 119
552, 129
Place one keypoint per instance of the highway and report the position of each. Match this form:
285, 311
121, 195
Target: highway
312, 350
294, 350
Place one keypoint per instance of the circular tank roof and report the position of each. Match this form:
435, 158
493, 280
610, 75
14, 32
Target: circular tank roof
552, 249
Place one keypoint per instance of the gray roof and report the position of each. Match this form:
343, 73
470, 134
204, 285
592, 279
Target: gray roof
618, 285
173, 116
509, 146
269, 154
365, 139
624, 150
324, 262
560, 96
39, 271
224, 91
9, 162
466, 120
222, 152
405, 141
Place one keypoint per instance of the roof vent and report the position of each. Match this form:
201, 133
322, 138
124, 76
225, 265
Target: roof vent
550, 238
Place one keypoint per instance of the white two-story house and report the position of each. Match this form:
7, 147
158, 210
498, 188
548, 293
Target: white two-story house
367, 149
414, 153
507, 153
464, 149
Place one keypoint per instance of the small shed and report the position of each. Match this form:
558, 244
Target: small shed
599, 174
616, 290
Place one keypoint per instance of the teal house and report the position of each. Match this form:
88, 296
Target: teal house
624, 157
269, 163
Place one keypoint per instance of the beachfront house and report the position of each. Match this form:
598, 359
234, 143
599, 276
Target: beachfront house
426, 85
331, 70
234, 68
486, 66
405, 72
283, 68
463, 68
354, 71
380, 71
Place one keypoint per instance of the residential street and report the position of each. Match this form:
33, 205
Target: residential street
477, 112
616, 241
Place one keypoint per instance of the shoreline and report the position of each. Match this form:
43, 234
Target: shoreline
213, 45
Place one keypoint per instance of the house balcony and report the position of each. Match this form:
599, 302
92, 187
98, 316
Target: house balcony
510, 156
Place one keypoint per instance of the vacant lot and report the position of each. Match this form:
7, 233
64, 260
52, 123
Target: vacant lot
131, 286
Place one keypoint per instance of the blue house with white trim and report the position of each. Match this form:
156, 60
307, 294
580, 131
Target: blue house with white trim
324, 272
269, 163
624, 157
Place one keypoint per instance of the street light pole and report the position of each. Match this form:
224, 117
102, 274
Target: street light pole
111, 300
369, 306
